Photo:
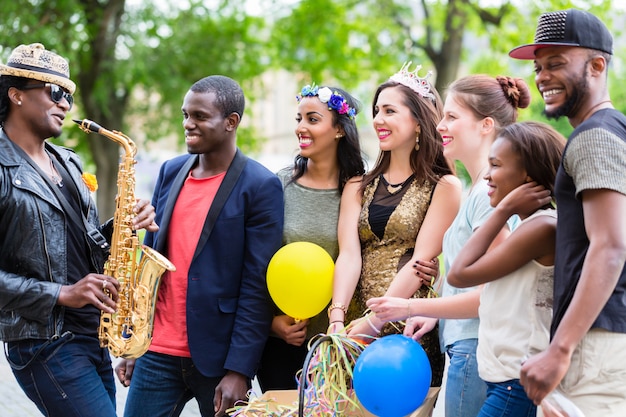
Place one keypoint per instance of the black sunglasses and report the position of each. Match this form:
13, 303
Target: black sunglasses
56, 92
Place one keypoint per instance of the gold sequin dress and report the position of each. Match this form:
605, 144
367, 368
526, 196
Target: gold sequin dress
388, 227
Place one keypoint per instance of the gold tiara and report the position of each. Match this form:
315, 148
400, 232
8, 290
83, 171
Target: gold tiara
412, 80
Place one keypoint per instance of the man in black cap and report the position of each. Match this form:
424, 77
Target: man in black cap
52, 289
586, 358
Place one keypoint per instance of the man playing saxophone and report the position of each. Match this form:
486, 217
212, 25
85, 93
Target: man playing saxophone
221, 218
52, 246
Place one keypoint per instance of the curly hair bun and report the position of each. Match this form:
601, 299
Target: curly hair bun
516, 91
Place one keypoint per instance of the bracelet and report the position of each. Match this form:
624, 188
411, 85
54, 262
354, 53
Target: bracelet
339, 306
372, 325
336, 321
408, 308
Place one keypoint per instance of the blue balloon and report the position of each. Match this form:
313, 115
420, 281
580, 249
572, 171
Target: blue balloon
392, 376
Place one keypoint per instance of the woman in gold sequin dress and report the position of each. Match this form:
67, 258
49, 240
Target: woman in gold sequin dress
397, 213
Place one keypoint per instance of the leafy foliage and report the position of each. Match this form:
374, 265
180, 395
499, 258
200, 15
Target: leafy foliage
185, 47
135, 64
134, 60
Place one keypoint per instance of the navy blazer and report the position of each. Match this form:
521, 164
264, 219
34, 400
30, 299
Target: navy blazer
229, 310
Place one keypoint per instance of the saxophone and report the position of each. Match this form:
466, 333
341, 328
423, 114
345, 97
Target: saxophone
128, 331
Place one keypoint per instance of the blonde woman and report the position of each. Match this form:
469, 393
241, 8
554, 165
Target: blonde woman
477, 107
515, 305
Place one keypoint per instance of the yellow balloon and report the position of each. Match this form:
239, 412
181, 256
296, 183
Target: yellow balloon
300, 279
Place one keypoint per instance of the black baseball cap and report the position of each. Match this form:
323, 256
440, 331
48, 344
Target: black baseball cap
570, 27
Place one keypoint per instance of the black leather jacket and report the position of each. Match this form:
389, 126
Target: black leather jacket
33, 258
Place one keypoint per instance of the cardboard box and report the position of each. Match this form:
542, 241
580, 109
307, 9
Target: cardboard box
290, 398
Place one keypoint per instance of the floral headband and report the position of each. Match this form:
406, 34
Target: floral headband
334, 100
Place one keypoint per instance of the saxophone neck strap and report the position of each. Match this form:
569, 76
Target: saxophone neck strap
93, 234
94, 237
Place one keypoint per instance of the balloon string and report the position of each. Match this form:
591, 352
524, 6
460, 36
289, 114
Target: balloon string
324, 382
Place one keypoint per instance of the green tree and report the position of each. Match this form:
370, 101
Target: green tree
85, 31
115, 50
357, 41
351, 40
133, 62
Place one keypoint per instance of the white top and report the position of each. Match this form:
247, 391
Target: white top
473, 213
515, 314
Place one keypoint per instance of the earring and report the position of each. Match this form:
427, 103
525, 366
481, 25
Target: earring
338, 136
19, 103
417, 142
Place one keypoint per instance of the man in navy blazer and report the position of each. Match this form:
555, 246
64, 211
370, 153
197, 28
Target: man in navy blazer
221, 218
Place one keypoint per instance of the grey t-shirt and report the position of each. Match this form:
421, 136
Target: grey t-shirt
311, 215
594, 158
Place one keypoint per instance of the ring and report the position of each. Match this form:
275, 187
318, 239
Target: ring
104, 285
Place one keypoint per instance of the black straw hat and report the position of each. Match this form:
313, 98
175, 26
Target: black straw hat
567, 28
35, 62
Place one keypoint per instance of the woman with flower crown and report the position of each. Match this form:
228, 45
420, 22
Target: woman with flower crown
396, 213
330, 154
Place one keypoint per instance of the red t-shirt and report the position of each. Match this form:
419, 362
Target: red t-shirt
188, 217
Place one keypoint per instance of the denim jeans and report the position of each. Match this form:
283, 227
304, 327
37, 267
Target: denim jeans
507, 399
465, 391
70, 376
161, 385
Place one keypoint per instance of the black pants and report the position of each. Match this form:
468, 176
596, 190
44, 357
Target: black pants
279, 365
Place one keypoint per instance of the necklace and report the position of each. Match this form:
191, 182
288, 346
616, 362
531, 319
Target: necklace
592, 109
394, 188
54, 175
